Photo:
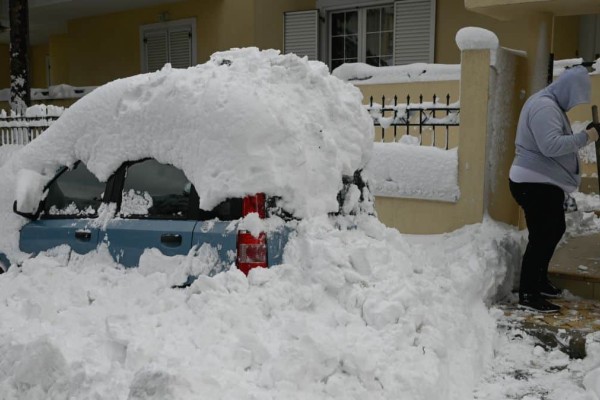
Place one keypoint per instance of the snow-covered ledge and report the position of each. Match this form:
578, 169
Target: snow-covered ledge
55, 92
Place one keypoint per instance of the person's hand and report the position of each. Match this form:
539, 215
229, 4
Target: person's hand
592, 131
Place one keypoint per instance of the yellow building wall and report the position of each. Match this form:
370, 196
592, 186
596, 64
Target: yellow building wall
37, 57
4, 66
566, 38
269, 20
103, 48
451, 16
58, 49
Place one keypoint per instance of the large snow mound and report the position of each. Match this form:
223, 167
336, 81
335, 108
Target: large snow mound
247, 121
351, 314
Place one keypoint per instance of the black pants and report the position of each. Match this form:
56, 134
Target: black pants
545, 218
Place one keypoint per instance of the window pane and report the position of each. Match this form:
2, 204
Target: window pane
387, 43
373, 20
155, 190
372, 44
337, 24
336, 63
351, 46
387, 19
337, 47
75, 192
386, 61
351, 60
374, 61
352, 22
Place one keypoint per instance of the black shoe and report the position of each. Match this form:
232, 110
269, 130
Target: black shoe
537, 303
550, 291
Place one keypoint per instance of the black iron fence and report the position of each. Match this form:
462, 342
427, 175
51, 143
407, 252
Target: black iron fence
425, 122
18, 129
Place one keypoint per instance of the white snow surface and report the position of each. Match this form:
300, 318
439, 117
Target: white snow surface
265, 123
246, 122
474, 38
351, 314
413, 171
364, 74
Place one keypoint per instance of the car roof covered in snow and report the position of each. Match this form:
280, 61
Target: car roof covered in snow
246, 121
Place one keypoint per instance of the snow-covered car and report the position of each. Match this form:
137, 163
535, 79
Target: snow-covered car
225, 155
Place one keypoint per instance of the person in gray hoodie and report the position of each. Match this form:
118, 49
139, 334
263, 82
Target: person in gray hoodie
545, 167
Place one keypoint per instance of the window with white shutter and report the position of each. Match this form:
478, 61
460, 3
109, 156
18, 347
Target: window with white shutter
414, 31
168, 42
301, 33
379, 33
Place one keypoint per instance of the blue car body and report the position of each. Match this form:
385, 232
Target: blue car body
128, 236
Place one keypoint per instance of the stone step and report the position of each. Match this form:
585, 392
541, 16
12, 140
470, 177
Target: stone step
575, 266
566, 330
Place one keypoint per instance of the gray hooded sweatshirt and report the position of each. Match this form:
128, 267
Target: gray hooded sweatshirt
545, 142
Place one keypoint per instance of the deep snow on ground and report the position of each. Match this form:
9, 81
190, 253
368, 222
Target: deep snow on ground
351, 314
354, 313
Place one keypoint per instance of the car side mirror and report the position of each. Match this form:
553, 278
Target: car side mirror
27, 215
30, 191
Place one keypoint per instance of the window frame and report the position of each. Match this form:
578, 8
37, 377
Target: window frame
120, 176
166, 26
43, 215
362, 29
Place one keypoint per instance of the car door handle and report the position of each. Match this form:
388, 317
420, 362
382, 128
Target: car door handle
171, 240
83, 235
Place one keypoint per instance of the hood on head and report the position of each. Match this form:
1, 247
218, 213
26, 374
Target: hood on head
572, 87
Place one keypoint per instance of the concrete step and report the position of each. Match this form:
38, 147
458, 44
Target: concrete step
575, 266
565, 330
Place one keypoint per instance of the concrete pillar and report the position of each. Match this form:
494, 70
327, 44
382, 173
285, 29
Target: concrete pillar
538, 46
474, 99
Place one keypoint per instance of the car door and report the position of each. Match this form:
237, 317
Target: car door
67, 213
156, 211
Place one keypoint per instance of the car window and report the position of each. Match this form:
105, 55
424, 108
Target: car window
155, 190
75, 192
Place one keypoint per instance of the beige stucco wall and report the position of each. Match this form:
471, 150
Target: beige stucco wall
423, 216
103, 48
451, 16
37, 56
4, 66
510, 80
268, 20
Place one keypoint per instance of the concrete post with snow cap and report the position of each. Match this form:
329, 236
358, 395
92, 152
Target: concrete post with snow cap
476, 47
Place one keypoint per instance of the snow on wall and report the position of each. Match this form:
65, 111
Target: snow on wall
408, 170
364, 74
473, 38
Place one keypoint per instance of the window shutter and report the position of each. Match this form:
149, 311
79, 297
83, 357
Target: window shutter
301, 33
156, 50
180, 47
414, 31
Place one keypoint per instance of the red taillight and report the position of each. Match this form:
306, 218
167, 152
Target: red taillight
251, 250
255, 204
